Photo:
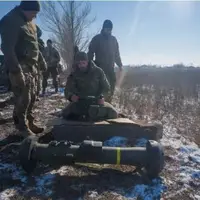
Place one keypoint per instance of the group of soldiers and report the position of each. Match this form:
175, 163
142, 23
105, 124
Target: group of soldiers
28, 61
52, 58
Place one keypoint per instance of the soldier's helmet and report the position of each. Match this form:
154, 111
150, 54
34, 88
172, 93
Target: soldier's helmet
39, 32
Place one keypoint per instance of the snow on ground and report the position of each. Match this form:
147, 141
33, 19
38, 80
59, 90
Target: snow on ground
42, 182
15, 173
116, 142
147, 192
185, 163
187, 154
9, 193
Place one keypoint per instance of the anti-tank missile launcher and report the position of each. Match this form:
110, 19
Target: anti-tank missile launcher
61, 153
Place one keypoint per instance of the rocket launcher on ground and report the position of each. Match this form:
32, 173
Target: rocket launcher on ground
61, 153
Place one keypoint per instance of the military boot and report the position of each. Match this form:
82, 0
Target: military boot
23, 130
34, 128
15, 119
43, 91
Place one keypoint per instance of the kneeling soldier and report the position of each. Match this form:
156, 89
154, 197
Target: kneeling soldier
85, 88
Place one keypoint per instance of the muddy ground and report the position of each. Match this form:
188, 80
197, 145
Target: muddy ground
180, 178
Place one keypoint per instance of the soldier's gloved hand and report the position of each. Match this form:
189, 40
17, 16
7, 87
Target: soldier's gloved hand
101, 101
74, 98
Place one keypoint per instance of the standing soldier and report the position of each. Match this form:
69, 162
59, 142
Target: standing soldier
53, 58
106, 50
21, 51
40, 67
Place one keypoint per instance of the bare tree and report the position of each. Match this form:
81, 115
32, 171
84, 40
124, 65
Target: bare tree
68, 22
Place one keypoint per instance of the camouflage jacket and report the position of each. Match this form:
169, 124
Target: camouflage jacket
52, 57
41, 45
106, 50
40, 41
1, 60
90, 83
19, 41
42, 66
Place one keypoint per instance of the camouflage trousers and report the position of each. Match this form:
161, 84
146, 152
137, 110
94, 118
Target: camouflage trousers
24, 98
53, 71
93, 112
110, 74
38, 83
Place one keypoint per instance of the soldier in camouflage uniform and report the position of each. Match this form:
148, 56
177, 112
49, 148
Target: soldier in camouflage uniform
87, 80
21, 51
1, 60
106, 50
40, 69
60, 70
53, 58
4, 74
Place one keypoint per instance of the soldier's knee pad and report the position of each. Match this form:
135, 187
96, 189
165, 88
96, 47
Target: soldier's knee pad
112, 113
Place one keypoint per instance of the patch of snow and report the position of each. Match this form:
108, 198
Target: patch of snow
189, 173
197, 197
147, 192
15, 172
116, 142
93, 194
9, 193
195, 157
42, 183
61, 171
51, 92
141, 142
61, 91
189, 159
188, 149
171, 138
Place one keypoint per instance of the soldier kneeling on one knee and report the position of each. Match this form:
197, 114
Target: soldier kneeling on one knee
85, 89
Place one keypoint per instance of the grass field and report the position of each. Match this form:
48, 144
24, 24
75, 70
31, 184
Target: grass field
167, 95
